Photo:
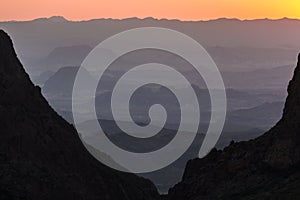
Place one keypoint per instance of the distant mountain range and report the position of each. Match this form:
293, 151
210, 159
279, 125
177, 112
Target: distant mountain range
248, 117
233, 44
247, 109
62, 81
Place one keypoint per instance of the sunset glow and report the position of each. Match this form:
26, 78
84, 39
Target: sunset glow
170, 9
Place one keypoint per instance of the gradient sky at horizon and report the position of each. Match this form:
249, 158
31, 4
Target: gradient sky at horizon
170, 9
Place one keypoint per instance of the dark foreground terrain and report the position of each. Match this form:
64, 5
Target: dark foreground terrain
264, 168
41, 155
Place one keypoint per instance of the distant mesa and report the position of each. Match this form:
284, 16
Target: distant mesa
63, 80
56, 19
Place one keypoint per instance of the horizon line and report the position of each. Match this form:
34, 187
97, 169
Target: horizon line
153, 18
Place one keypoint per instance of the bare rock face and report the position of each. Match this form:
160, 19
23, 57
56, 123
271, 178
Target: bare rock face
264, 168
41, 155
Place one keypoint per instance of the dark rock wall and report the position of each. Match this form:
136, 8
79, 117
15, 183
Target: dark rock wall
263, 168
41, 155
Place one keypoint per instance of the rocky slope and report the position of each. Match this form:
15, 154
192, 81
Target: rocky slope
264, 168
41, 155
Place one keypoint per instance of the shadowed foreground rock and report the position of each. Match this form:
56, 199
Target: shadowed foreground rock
41, 155
264, 168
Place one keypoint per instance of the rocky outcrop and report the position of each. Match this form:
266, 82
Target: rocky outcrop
264, 168
41, 155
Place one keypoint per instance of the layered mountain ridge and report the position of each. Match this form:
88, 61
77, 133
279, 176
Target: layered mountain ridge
41, 155
264, 168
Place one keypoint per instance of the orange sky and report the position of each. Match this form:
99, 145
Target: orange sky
171, 9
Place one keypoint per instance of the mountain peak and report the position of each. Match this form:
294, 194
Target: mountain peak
57, 19
9, 64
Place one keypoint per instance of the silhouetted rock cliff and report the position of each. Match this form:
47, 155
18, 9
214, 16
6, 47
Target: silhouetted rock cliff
41, 155
263, 168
